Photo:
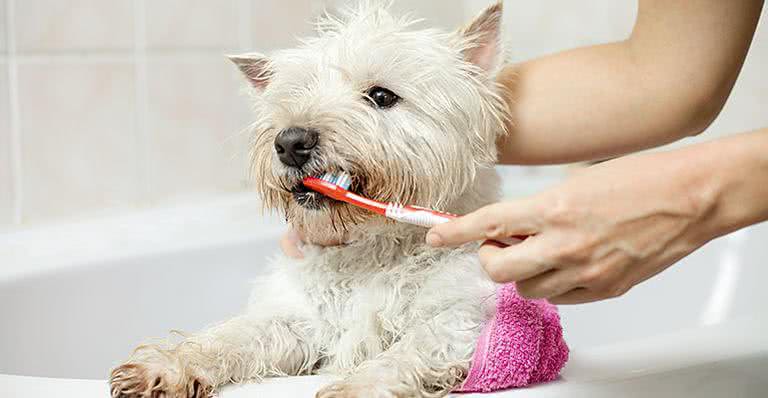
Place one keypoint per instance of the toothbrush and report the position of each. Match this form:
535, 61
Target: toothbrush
336, 186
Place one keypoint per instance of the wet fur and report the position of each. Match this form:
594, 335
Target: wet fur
385, 313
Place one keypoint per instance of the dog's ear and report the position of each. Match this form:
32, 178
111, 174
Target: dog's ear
255, 67
482, 39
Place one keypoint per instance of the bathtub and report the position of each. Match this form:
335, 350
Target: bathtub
76, 297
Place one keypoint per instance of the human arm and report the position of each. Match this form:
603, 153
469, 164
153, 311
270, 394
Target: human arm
668, 80
616, 224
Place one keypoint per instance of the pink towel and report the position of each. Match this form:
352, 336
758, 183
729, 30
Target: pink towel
521, 345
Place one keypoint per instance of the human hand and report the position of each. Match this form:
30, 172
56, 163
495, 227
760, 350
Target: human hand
293, 240
596, 235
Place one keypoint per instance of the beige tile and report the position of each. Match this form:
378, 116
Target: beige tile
196, 114
3, 25
445, 14
6, 178
536, 28
184, 24
277, 23
73, 25
78, 138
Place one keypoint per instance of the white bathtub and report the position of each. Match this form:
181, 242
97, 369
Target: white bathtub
76, 298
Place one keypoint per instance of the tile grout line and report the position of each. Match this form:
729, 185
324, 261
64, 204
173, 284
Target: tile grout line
13, 111
141, 98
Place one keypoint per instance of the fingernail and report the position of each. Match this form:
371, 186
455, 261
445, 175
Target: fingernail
434, 239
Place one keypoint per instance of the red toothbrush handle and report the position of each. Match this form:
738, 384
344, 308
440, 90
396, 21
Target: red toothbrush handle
416, 215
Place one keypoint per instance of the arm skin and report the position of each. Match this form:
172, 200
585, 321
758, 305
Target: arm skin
592, 239
737, 170
668, 80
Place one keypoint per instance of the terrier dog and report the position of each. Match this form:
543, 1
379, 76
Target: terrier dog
413, 116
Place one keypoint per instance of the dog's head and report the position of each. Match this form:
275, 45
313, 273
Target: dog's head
411, 115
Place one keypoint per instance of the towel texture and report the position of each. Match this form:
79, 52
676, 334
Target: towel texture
521, 345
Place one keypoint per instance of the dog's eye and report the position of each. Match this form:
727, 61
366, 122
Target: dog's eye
382, 97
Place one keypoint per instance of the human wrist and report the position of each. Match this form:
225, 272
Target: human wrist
707, 186
731, 182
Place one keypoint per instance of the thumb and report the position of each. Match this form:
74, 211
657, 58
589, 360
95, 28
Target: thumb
494, 222
291, 244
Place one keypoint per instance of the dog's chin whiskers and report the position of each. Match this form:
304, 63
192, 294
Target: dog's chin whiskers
279, 186
285, 211
337, 214
349, 214
284, 186
333, 223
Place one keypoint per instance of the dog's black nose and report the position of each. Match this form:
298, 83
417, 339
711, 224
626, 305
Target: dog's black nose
294, 146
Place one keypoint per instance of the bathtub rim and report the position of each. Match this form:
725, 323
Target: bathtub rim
225, 220
642, 360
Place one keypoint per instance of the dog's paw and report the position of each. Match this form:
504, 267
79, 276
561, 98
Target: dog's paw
354, 390
138, 380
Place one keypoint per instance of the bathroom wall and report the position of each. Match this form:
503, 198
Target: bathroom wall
111, 105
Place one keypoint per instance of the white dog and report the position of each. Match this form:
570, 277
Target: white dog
413, 116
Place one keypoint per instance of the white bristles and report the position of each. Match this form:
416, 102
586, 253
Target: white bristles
342, 180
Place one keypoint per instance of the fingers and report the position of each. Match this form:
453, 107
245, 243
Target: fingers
552, 283
291, 243
539, 274
576, 296
324, 241
495, 221
580, 283
589, 294
514, 263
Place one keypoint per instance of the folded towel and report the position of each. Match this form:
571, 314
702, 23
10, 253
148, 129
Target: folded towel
521, 345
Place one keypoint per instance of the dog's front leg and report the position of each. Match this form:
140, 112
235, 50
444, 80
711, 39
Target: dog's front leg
428, 361
243, 348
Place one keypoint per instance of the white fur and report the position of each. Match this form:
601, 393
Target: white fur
391, 315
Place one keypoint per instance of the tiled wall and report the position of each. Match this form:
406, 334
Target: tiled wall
116, 104
125, 103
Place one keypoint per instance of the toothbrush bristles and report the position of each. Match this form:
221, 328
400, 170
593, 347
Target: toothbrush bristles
342, 180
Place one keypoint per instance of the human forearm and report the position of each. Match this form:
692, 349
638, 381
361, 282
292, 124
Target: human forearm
668, 80
616, 224
576, 105
734, 172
